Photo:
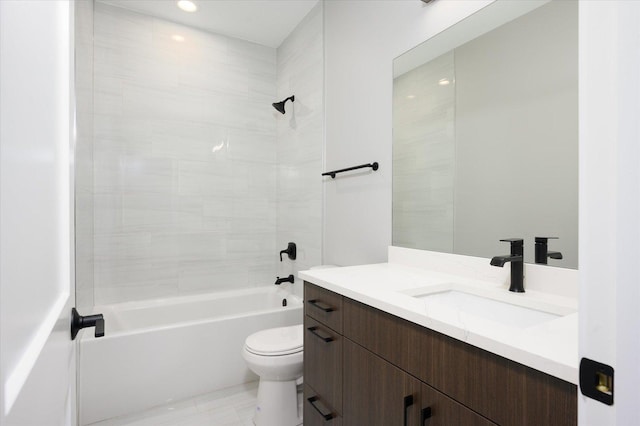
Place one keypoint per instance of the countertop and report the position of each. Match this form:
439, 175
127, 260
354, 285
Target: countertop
550, 347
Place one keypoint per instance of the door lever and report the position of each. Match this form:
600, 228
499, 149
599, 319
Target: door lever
78, 322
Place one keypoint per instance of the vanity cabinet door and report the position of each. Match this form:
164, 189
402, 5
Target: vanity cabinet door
376, 393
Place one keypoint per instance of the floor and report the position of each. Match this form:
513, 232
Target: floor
228, 407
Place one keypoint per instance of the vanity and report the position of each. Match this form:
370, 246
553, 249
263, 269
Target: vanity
378, 351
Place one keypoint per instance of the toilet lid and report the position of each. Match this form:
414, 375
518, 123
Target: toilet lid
276, 341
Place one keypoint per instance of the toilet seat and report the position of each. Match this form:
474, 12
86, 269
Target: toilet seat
276, 341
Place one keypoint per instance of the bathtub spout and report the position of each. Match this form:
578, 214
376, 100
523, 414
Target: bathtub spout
289, 279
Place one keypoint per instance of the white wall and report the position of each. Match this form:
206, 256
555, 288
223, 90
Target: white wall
361, 40
300, 141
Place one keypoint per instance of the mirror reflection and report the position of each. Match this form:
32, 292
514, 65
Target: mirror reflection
485, 134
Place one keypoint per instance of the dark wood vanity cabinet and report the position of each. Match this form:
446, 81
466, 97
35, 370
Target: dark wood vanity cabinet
383, 370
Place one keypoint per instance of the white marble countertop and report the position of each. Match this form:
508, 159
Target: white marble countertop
550, 346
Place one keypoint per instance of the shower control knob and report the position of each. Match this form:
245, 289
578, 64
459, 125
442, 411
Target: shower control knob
78, 322
291, 251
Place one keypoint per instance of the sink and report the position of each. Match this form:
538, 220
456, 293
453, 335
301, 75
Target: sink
513, 310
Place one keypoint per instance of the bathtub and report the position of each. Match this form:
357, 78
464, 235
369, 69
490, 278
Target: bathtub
159, 351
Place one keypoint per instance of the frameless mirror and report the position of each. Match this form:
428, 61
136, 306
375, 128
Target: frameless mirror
485, 133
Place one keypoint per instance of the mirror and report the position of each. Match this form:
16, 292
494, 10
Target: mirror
485, 134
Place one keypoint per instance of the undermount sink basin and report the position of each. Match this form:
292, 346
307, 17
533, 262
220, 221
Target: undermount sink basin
513, 310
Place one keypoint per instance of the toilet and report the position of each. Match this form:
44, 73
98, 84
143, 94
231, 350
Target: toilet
275, 355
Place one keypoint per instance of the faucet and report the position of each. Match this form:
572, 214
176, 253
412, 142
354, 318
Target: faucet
517, 263
289, 279
542, 253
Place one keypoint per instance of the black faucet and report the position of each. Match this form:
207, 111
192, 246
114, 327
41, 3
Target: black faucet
289, 279
290, 251
517, 263
542, 252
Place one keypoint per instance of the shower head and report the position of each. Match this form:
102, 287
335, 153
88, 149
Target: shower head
280, 105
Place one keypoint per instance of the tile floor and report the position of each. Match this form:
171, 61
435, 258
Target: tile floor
228, 407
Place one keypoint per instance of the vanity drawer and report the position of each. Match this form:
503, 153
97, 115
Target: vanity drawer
323, 361
317, 411
323, 305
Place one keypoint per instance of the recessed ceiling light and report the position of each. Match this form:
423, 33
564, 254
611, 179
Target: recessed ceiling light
444, 82
187, 6
411, 96
177, 37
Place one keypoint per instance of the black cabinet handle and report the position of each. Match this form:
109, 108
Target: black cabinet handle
78, 322
320, 305
408, 402
312, 330
425, 414
312, 400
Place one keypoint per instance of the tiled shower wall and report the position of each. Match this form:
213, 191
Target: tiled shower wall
185, 160
84, 153
300, 142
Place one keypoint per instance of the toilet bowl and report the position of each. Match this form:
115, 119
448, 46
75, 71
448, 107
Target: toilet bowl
276, 356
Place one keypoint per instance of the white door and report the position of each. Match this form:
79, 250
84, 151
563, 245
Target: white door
610, 204
37, 356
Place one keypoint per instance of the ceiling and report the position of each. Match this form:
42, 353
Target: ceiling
267, 22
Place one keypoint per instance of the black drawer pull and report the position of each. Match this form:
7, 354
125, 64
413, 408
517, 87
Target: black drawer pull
425, 414
408, 402
325, 339
326, 417
320, 305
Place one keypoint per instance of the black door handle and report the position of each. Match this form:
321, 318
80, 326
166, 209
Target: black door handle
78, 322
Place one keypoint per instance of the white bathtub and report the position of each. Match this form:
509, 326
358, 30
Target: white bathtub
159, 351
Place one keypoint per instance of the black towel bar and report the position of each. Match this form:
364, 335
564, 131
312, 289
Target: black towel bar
333, 173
